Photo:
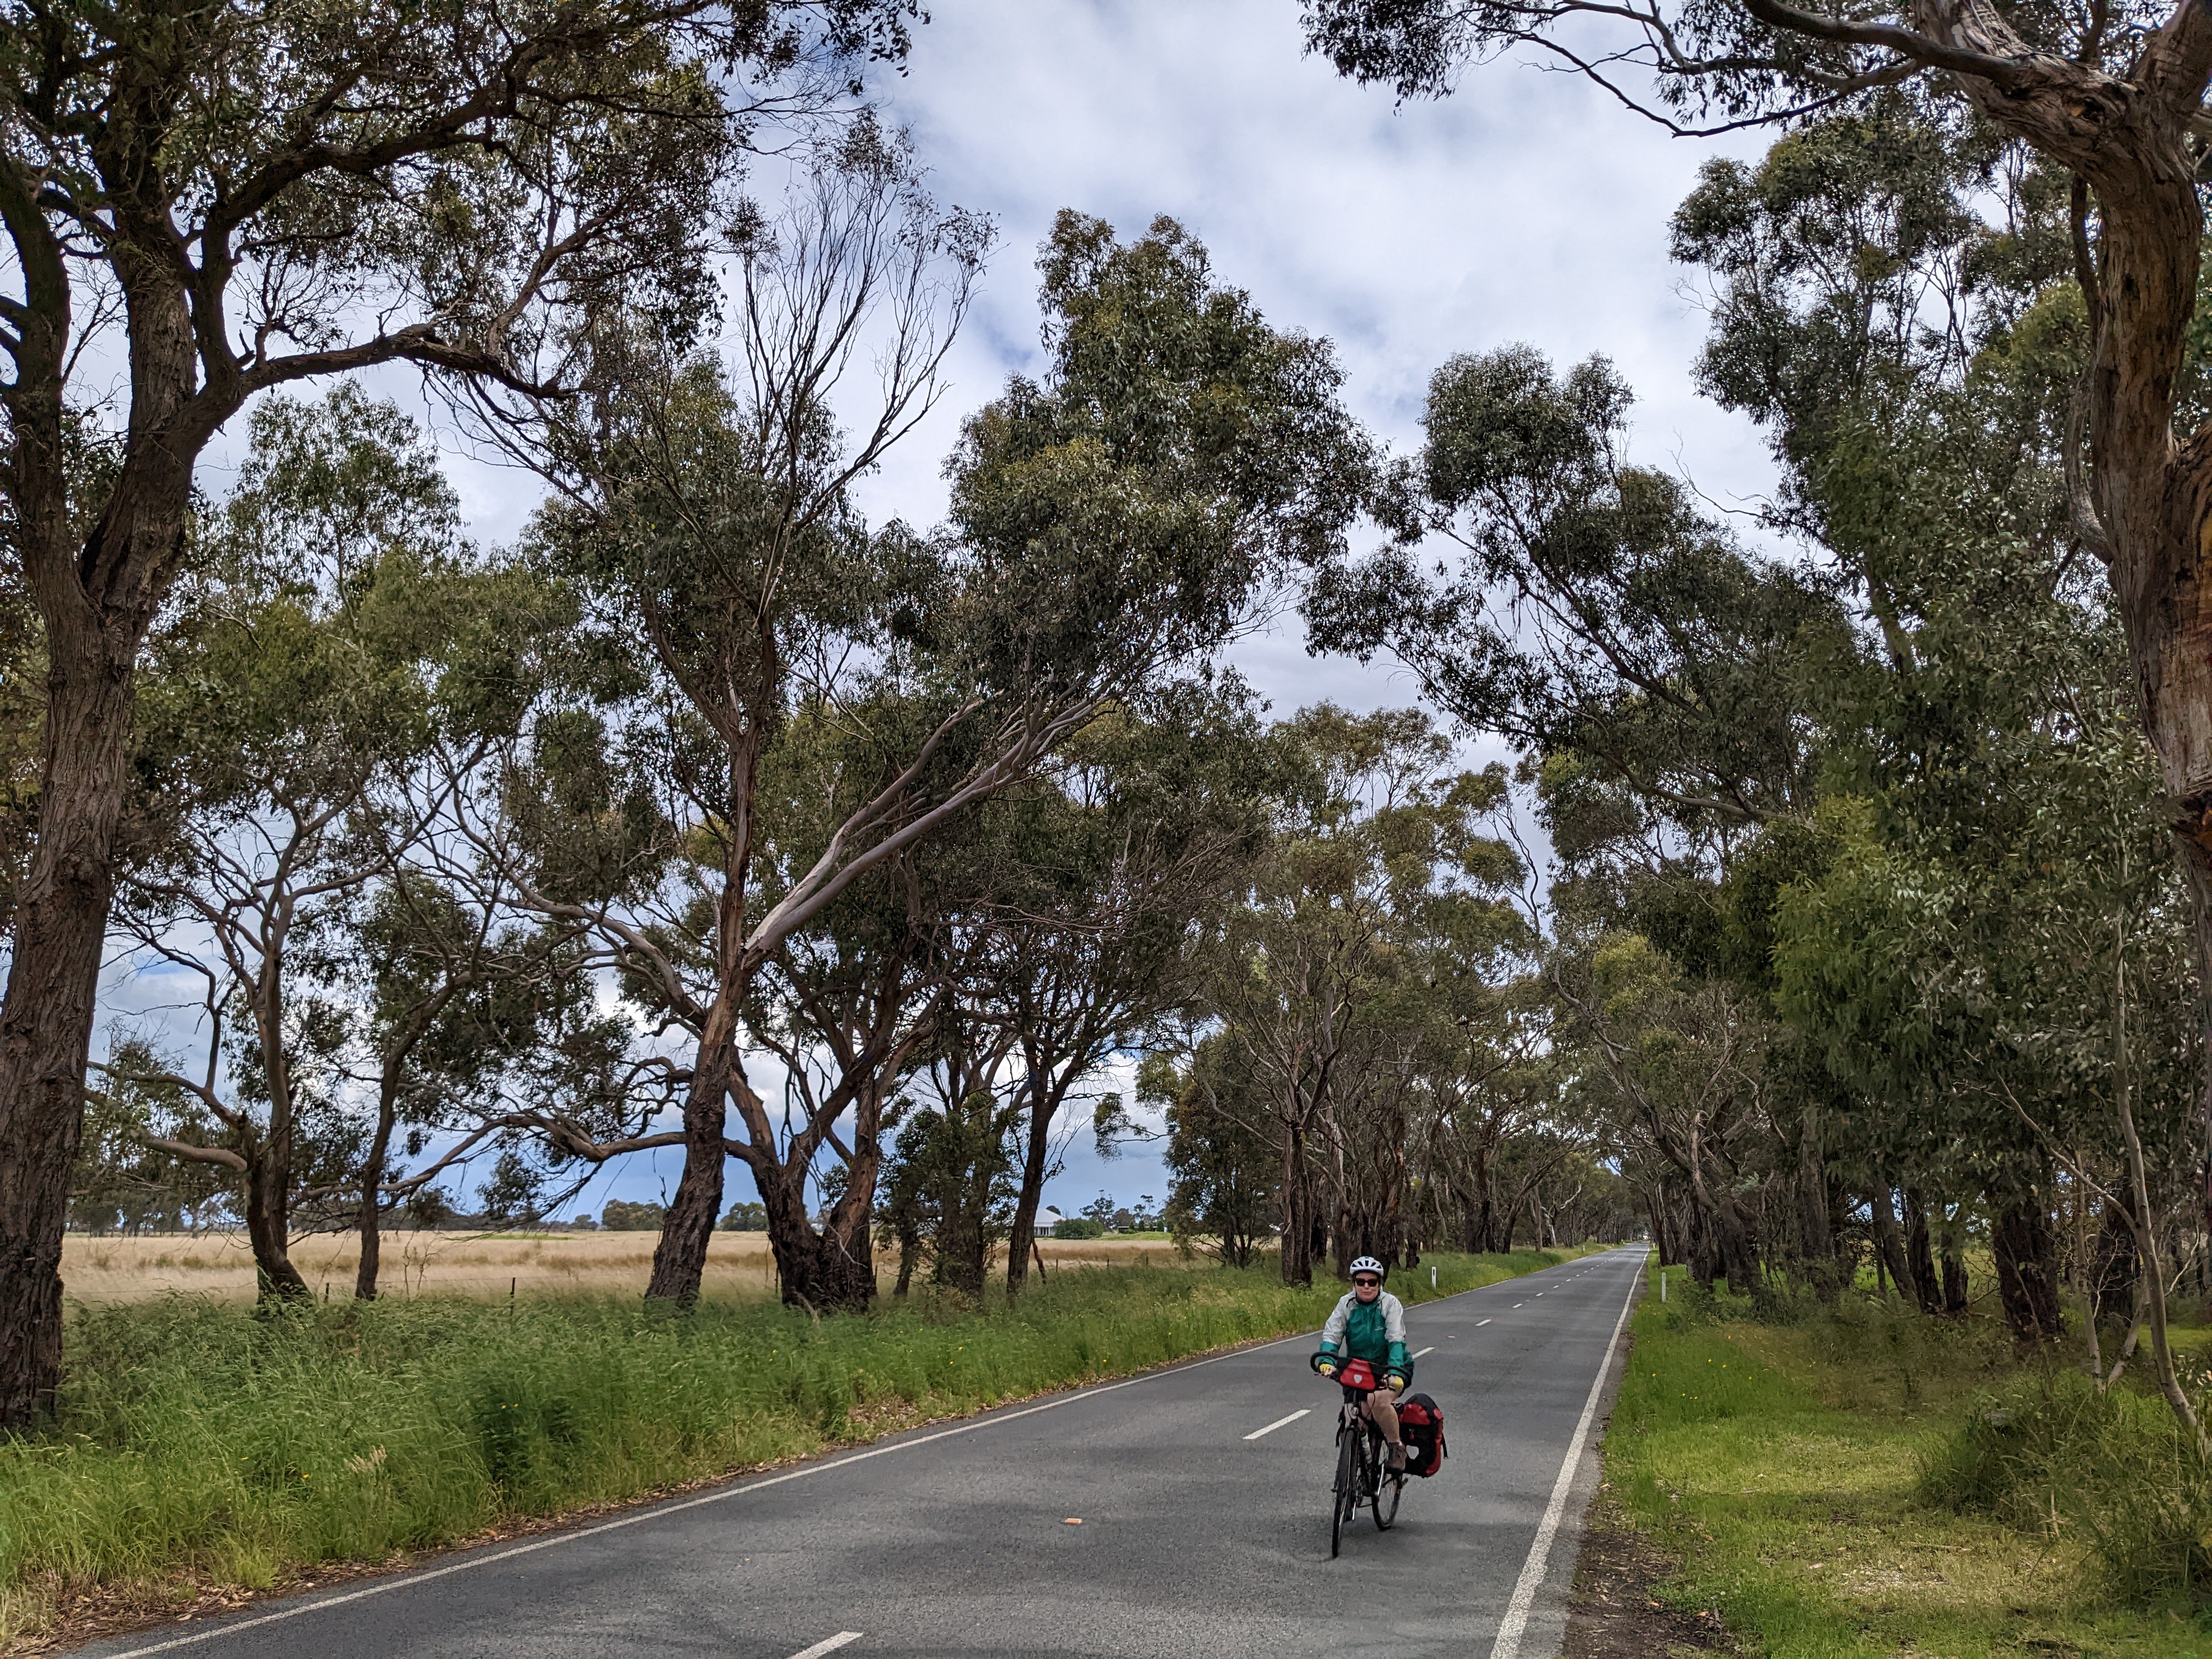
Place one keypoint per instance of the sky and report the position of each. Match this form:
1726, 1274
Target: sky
1528, 207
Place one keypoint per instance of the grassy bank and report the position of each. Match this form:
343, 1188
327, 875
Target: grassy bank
1864, 1483
201, 1443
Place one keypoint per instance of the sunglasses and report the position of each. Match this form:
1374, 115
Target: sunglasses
1365, 1282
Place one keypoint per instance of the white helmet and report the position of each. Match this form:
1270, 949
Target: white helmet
1366, 1264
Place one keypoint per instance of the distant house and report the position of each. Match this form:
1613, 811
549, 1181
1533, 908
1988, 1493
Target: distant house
1047, 1218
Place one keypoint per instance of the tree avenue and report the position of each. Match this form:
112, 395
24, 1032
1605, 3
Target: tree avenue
1814, 910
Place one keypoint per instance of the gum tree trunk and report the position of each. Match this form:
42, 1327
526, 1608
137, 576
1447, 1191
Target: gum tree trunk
2027, 1277
679, 1261
1919, 1259
1045, 1103
1297, 1209
45, 1029
371, 1222
96, 606
835, 1268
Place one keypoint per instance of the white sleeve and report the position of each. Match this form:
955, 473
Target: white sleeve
1394, 1318
1334, 1331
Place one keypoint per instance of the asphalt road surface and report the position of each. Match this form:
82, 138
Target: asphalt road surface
1204, 1508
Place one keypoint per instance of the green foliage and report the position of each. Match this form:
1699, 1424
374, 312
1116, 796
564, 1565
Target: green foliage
1593, 610
948, 1188
1358, 993
121, 1184
621, 1216
1077, 1226
1224, 1166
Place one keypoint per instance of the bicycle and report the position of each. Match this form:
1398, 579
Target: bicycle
1360, 1449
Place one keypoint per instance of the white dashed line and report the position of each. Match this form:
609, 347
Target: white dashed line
1430, 1349
1278, 1423
829, 1644
1479, 1323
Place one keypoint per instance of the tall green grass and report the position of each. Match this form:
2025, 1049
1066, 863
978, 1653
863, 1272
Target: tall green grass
1856, 1481
202, 1441
2050, 1452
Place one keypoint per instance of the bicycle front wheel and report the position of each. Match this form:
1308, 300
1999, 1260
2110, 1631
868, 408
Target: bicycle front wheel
1344, 1495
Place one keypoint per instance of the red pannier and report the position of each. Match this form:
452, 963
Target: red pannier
1421, 1426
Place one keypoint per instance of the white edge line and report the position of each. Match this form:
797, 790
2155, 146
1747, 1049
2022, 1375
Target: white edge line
827, 1645
1508, 1645
1280, 1422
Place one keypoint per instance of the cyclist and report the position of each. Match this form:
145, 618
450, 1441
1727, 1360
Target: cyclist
1370, 1324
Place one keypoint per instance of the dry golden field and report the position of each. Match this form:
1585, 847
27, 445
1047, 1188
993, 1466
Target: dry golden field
101, 1270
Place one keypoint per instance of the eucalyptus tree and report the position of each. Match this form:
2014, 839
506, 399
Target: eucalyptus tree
211, 203
951, 1179
1914, 365
848, 1006
121, 1182
1676, 1066
1586, 605
1221, 1163
2113, 100
1095, 889
1111, 522
303, 683
1490, 1079
469, 1023
2032, 990
1383, 869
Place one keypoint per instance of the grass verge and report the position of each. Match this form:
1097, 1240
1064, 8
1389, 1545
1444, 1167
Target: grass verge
201, 1443
1828, 1488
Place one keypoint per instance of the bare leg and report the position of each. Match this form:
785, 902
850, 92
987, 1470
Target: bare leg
1382, 1412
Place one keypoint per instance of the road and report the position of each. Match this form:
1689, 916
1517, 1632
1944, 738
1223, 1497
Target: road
1203, 1531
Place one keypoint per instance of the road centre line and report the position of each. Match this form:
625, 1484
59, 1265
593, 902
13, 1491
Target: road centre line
1279, 1423
829, 1645
1509, 1629
1430, 1349
1479, 1323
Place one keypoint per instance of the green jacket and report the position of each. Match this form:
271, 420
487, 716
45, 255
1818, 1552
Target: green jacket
1372, 1331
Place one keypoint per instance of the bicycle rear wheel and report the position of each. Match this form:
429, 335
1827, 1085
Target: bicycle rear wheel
1344, 1495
